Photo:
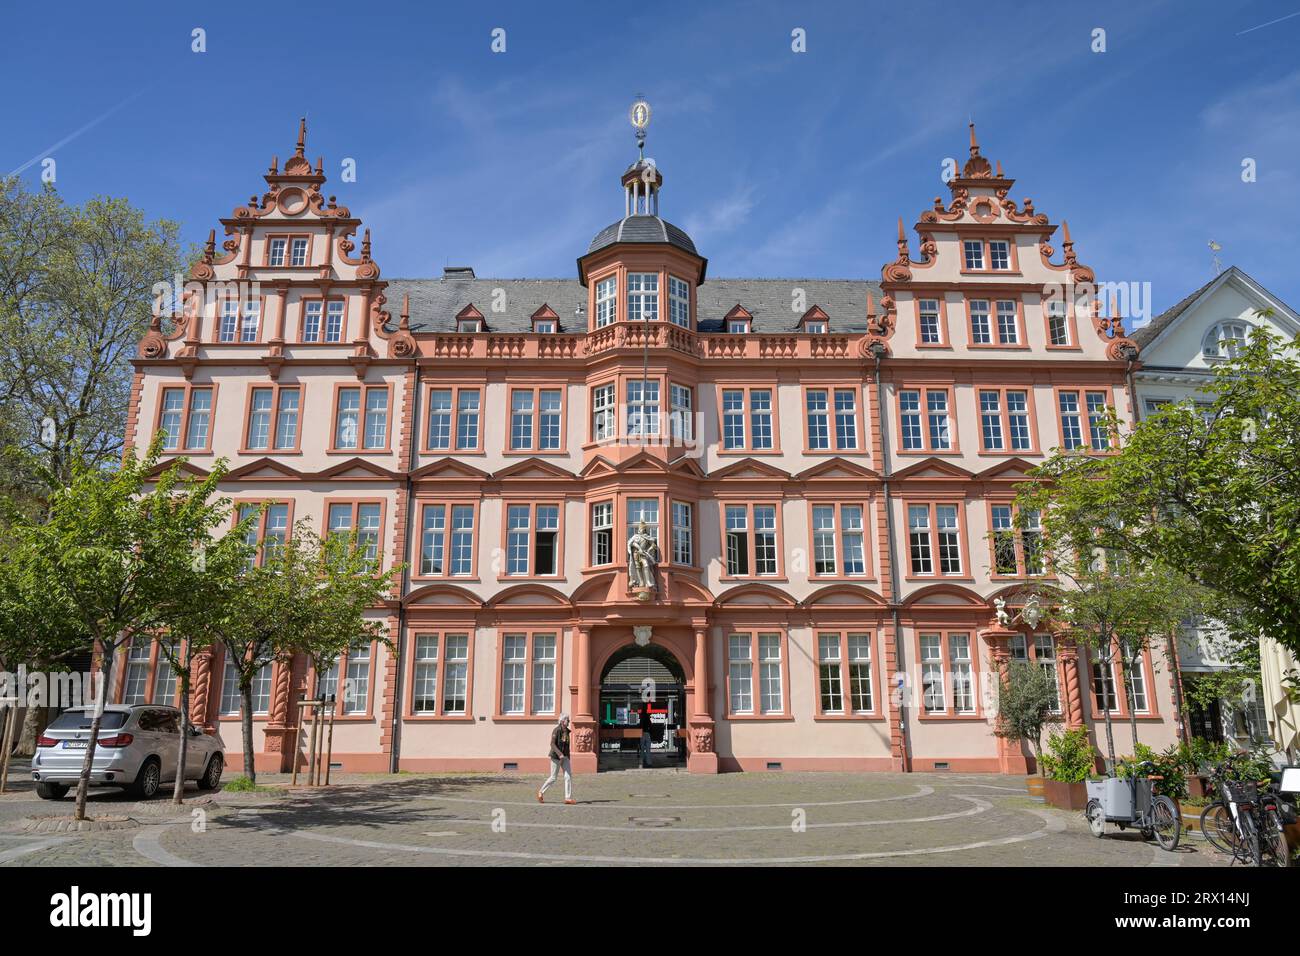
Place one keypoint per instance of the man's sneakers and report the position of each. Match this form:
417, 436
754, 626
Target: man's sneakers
570, 802
540, 798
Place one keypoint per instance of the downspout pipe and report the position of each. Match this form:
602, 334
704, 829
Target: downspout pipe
878, 352
396, 756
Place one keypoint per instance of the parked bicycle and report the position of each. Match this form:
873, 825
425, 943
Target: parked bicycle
1245, 822
1132, 802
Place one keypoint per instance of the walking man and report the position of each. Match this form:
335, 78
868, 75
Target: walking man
559, 761
645, 735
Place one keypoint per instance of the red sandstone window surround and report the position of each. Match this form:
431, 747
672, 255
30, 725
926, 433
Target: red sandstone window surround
847, 675
239, 321
287, 251
840, 539
747, 420
948, 666
274, 419
997, 323
532, 540
1081, 414
365, 516
926, 420
440, 675
146, 675
1109, 690
537, 420
936, 540
752, 540
323, 320
833, 419
1008, 420
528, 673
448, 545
989, 255
757, 674
1015, 541
454, 418
186, 415
350, 681
362, 417
271, 528
600, 546
932, 322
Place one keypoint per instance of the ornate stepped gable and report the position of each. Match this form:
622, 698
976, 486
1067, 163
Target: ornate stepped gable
980, 198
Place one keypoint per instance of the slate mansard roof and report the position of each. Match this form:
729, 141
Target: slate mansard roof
435, 303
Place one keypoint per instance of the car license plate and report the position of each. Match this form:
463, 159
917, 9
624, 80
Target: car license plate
74, 745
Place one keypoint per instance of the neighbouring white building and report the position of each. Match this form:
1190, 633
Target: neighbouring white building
1180, 349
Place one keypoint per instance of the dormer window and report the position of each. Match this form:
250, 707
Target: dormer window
816, 327
679, 302
469, 325
545, 326
606, 301
1225, 340
815, 321
738, 326
642, 296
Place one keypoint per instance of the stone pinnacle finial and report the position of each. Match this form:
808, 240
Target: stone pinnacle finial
302, 137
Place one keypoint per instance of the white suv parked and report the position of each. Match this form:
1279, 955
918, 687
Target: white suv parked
137, 750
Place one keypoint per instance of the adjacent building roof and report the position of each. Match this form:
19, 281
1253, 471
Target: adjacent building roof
1153, 329
1169, 316
508, 305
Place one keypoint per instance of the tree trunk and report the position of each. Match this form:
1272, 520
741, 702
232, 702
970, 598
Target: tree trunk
183, 675
1126, 668
83, 784
246, 725
33, 723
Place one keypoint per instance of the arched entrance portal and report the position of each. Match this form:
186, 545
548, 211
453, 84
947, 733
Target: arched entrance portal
636, 678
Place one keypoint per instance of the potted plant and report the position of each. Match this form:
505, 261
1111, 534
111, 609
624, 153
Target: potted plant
1026, 701
1067, 765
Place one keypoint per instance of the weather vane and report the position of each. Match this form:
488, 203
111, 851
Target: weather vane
639, 114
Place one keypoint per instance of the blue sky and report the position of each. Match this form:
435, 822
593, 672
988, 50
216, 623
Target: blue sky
779, 164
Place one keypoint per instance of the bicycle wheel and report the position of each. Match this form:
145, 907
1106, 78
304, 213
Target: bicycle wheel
1166, 824
1273, 845
1217, 828
1249, 849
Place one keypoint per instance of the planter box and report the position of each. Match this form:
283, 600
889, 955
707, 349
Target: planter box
1196, 786
1067, 796
1034, 785
1191, 816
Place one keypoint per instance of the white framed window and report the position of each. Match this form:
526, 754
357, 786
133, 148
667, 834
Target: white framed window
606, 301
771, 698
737, 326
830, 678
298, 251
963, 675
973, 251
681, 420
543, 677
928, 317
602, 533
424, 690
137, 671
455, 683
981, 332
740, 674
514, 663
1008, 322
679, 302
932, 679
1058, 323
1000, 255
276, 253
642, 296
1225, 340
467, 415
532, 539
545, 326
816, 327
642, 407
643, 509
602, 412
356, 694
683, 528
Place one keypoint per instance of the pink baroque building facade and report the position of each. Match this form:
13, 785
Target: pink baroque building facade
826, 470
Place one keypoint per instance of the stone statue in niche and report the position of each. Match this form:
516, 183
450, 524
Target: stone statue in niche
642, 559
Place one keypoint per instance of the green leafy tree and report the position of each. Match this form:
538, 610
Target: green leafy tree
116, 549
1213, 492
1115, 604
1027, 705
195, 617
76, 296
349, 585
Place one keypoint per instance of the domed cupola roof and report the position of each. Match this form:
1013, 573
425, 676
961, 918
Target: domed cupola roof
642, 229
